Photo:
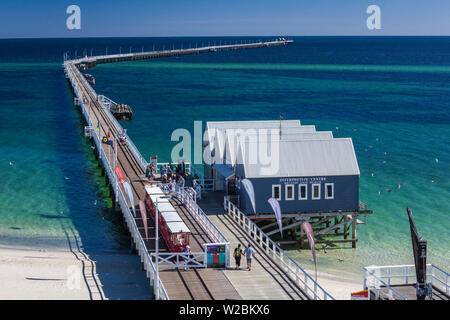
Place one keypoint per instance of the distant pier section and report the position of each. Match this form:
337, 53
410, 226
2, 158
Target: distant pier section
88, 62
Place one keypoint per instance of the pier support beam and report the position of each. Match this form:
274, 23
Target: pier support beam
354, 231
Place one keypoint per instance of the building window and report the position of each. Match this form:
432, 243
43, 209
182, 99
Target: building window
276, 191
303, 192
329, 190
315, 191
289, 192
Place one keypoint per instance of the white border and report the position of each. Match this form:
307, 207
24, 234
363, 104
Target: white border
300, 189
279, 193
326, 190
312, 191
286, 191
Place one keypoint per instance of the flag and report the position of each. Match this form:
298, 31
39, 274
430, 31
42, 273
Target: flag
105, 140
248, 186
277, 210
144, 216
306, 226
130, 196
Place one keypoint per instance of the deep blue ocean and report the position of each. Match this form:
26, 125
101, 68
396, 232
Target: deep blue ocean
391, 95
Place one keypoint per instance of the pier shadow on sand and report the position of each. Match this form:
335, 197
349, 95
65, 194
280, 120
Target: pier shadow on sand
110, 271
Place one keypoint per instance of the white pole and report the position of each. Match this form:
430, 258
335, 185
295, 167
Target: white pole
156, 252
115, 153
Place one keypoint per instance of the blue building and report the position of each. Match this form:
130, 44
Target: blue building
307, 171
309, 176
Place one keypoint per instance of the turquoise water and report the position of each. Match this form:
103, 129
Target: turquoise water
390, 96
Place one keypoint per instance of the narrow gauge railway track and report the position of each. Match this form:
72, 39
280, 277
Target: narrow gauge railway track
106, 124
194, 278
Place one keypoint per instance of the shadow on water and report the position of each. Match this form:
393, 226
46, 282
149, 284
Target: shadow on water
100, 242
49, 216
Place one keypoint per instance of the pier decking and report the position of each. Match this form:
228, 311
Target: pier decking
87, 62
270, 278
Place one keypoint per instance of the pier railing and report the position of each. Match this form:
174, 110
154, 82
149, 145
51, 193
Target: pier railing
199, 215
106, 103
211, 47
309, 286
381, 278
140, 244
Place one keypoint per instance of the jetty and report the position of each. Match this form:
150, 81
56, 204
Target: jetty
177, 275
87, 62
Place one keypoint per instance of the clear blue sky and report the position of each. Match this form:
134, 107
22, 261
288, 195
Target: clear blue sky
128, 18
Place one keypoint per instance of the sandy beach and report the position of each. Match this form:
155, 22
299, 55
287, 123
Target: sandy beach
61, 274
340, 287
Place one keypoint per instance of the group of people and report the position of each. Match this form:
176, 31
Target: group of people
150, 171
248, 253
170, 174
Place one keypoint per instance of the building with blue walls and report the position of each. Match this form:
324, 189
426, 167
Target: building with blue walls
305, 176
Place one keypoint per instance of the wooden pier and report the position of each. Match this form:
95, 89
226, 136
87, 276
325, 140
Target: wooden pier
89, 62
327, 226
271, 278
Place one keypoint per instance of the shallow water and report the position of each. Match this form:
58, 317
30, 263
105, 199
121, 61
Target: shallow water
391, 96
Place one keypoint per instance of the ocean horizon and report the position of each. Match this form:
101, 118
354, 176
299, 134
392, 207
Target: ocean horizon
389, 94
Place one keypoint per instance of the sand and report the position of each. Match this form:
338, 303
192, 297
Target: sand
339, 286
61, 274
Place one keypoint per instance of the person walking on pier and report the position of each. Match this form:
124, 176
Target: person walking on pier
249, 252
237, 256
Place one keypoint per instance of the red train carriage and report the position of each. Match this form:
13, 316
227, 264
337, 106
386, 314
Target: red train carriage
173, 230
178, 236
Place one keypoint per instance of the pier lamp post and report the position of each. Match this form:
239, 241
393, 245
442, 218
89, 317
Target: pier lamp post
120, 50
156, 284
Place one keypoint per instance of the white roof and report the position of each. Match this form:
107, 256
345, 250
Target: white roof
165, 206
305, 158
212, 126
253, 124
176, 227
153, 197
232, 145
171, 216
219, 132
153, 190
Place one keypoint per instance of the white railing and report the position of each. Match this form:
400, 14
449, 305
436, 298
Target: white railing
375, 276
105, 103
164, 52
206, 184
137, 238
199, 215
181, 260
309, 286
373, 283
174, 165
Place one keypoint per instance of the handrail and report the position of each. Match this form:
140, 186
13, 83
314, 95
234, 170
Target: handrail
433, 273
199, 215
293, 270
140, 244
134, 150
388, 289
101, 58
